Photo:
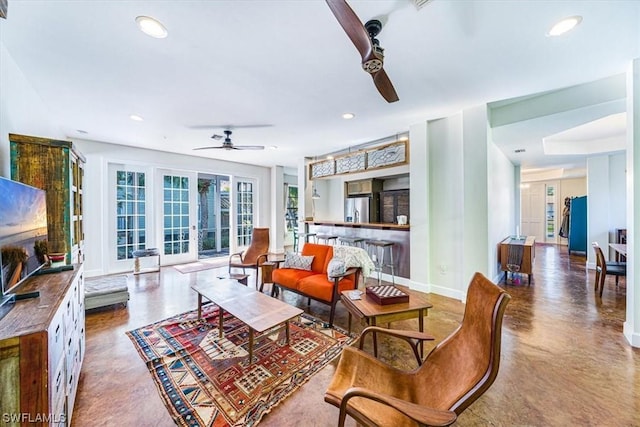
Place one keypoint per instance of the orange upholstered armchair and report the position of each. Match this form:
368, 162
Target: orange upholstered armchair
456, 372
254, 255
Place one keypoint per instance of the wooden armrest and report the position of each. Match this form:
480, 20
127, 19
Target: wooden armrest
399, 333
413, 338
262, 258
421, 414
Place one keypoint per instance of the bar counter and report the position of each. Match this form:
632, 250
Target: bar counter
378, 225
370, 231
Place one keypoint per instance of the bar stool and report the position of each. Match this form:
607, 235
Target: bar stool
378, 250
326, 239
305, 236
351, 241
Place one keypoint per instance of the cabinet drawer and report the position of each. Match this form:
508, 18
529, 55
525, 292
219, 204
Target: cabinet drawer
56, 336
58, 383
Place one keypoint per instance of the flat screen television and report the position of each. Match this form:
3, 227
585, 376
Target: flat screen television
23, 222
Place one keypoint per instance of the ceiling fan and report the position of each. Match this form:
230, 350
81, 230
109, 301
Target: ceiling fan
228, 145
364, 39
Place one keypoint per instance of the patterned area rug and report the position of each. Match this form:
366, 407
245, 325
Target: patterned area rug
205, 380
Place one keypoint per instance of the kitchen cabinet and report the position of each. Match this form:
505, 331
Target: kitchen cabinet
363, 186
392, 204
58, 168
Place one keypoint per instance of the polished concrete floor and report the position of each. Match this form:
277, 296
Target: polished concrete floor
564, 359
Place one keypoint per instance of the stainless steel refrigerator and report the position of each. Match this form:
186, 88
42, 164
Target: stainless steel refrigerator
361, 209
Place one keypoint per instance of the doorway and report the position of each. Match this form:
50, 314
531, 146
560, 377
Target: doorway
213, 215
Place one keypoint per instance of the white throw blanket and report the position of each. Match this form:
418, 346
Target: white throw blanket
355, 257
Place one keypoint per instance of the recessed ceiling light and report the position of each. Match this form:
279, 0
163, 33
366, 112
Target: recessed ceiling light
348, 116
151, 27
81, 131
564, 26
136, 118
273, 147
519, 150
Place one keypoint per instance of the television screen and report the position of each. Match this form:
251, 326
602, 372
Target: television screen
23, 222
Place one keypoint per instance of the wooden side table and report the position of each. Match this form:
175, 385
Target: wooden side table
267, 271
373, 314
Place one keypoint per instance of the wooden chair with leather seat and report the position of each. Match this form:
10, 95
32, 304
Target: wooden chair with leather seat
452, 376
254, 255
603, 267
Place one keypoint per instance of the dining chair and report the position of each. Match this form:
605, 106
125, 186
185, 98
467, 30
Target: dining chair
254, 255
603, 267
452, 376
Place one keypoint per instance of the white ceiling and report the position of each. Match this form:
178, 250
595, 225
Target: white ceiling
288, 64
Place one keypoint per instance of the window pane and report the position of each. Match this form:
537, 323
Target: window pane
130, 211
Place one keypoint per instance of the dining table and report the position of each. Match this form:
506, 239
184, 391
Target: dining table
620, 248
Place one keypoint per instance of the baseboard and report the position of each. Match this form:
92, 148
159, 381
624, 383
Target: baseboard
632, 337
447, 292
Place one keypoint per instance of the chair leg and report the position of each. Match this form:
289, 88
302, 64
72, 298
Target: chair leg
332, 315
617, 277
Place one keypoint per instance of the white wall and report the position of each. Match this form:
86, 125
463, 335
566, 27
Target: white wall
96, 206
445, 205
419, 191
21, 109
501, 201
606, 199
476, 251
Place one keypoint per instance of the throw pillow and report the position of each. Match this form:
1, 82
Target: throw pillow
335, 267
299, 262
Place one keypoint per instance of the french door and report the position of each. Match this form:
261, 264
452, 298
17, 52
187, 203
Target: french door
177, 216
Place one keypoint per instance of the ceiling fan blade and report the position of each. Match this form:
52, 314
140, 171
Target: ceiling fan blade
208, 148
359, 35
214, 126
248, 147
384, 85
352, 25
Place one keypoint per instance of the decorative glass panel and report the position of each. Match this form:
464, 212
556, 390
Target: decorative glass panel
351, 163
325, 168
386, 156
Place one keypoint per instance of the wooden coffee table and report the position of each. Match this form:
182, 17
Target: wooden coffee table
373, 314
255, 309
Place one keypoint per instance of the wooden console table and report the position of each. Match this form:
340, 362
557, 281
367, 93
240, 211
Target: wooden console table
509, 246
42, 345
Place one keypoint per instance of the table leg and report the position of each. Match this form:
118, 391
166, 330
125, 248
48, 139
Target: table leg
349, 323
220, 317
199, 306
375, 338
251, 344
288, 332
421, 327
